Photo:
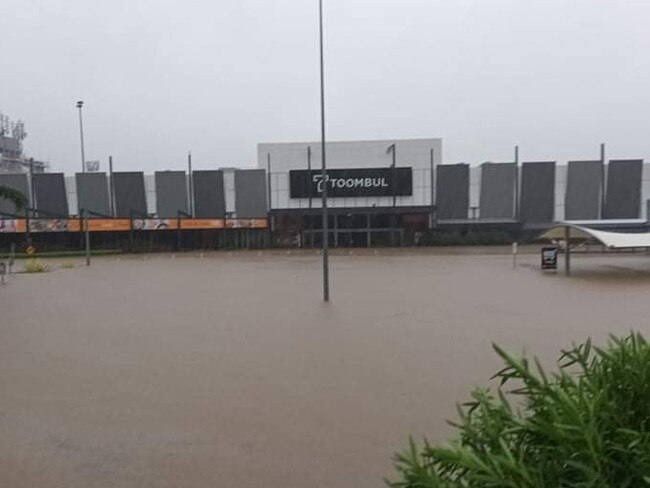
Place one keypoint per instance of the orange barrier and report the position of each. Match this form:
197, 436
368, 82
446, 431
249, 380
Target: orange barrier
8, 226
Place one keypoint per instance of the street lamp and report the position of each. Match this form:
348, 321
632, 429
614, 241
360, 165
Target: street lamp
326, 277
393, 149
80, 104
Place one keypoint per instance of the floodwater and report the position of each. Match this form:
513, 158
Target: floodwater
227, 370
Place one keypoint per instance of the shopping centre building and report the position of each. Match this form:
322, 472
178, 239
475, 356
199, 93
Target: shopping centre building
383, 192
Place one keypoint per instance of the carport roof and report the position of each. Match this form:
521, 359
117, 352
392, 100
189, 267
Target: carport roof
613, 240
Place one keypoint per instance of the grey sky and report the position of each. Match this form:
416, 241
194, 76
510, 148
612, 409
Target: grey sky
161, 77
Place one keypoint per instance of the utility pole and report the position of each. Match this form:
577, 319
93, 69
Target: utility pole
393, 149
191, 184
602, 181
80, 104
326, 278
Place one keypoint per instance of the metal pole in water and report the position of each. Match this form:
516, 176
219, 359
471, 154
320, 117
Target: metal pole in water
602, 181
190, 192
80, 104
326, 280
309, 173
567, 250
431, 190
12, 257
392, 148
269, 234
87, 236
111, 192
516, 209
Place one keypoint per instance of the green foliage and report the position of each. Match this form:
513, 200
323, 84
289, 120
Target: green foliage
35, 265
588, 425
16, 197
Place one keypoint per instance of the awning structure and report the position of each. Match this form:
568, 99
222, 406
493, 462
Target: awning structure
612, 240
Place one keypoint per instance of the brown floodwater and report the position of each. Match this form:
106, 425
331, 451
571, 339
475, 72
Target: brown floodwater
227, 370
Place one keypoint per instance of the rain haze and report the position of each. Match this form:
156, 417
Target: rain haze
160, 78
277, 312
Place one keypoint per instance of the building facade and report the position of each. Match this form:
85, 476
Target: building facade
372, 188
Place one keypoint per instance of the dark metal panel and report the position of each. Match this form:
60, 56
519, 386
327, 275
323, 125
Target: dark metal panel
50, 195
537, 192
452, 191
17, 182
623, 189
92, 193
130, 194
250, 193
209, 199
171, 193
584, 184
498, 185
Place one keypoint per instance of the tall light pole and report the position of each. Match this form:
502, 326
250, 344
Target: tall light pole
80, 104
326, 274
393, 149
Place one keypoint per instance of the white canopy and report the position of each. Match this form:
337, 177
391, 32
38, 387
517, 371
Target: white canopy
613, 240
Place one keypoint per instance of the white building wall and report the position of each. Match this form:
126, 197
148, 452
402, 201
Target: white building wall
150, 193
71, 193
645, 191
414, 153
474, 192
229, 190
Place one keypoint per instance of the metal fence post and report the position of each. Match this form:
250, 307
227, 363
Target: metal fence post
87, 235
12, 257
567, 250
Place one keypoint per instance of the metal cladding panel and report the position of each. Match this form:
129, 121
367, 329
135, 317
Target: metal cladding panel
250, 193
50, 195
92, 193
171, 193
17, 182
209, 200
452, 191
537, 192
583, 190
498, 184
623, 189
130, 199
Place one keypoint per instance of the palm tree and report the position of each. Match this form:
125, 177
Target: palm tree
14, 196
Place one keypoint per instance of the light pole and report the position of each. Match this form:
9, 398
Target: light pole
80, 104
326, 277
393, 149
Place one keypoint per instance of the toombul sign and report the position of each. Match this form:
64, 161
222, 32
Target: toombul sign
359, 182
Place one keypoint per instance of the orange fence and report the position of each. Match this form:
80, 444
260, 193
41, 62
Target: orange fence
120, 225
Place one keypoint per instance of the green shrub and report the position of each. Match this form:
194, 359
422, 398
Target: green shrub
588, 425
35, 265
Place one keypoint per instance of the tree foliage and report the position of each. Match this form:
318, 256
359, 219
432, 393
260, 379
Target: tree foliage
14, 196
587, 425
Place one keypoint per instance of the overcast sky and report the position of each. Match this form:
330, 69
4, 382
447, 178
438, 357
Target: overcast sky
162, 77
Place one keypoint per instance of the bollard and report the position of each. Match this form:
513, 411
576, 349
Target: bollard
515, 248
12, 257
